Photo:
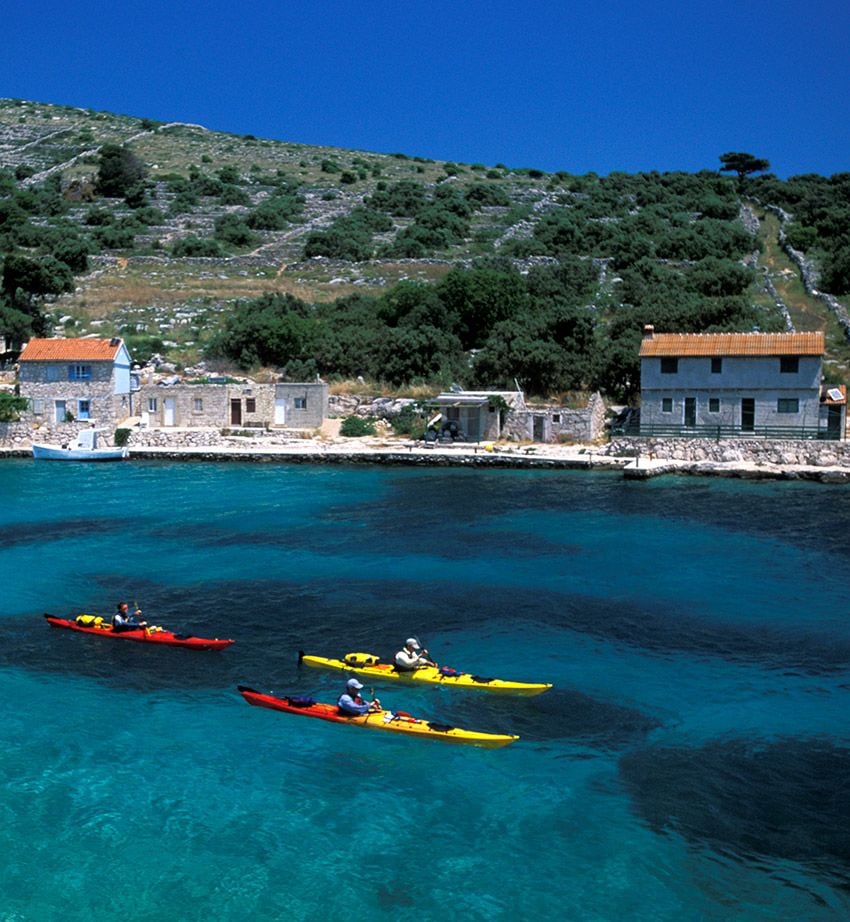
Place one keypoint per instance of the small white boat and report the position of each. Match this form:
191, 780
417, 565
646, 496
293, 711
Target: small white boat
83, 448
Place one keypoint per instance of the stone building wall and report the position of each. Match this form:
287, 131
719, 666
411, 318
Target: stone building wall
248, 405
105, 406
558, 424
305, 405
184, 405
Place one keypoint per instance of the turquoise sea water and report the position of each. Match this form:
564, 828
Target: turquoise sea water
692, 761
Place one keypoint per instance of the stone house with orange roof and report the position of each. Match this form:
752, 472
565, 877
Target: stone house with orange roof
733, 384
76, 380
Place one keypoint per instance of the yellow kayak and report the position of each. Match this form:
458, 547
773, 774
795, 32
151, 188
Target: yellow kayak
367, 664
392, 721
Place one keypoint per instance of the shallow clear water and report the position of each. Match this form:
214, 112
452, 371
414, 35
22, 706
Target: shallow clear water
691, 763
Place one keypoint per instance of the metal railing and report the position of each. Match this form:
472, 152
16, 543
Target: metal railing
639, 429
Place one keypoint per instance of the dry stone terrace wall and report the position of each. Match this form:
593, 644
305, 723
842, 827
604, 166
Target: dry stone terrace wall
754, 451
809, 273
21, 434
176, 438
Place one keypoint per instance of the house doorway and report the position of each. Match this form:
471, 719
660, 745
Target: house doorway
279, 411
833, 421
539, 429
236, 411
748, 414
169, 406
690, 411
61, 409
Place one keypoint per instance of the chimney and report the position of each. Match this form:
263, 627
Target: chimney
648, 331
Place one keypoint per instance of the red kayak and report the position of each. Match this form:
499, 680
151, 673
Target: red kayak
88, 624
393, 721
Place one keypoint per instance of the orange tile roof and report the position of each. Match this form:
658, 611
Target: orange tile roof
720, 344
70, 350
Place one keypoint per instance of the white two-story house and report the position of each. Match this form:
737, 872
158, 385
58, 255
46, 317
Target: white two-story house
70, 380
730, 384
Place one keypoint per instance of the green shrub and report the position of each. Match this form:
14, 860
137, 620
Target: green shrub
229, 174
119, 169
234, 195
150, 214
11, 407
122, 436
409, 422
196, 246
354, 426
276, 212
232, 229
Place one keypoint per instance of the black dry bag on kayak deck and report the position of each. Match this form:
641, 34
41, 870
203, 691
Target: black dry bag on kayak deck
301, 702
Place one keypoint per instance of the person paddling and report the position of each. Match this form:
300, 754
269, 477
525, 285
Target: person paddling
352, 705
412, 656
122, 620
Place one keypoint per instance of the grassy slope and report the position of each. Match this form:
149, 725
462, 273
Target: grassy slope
806, 312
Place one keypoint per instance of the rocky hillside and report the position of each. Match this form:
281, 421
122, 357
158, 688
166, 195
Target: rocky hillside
150, 288
220, 218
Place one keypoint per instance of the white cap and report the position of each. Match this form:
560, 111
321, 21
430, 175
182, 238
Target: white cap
412, 642
353, 683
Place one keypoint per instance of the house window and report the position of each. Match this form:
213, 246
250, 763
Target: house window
788, 405
198, 405
789, 364
556, 417
669, 366
250, 404
53, 373
300, 403
716, 366
79, 372
38, 406
666, 404
83, 409
151, 404
713, 404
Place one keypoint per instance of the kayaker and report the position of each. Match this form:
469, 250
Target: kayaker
350, 702
122, 620
412, 656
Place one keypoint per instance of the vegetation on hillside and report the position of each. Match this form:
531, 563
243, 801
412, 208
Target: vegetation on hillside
820, 206
400, 269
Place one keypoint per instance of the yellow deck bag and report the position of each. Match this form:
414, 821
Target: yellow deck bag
361, 659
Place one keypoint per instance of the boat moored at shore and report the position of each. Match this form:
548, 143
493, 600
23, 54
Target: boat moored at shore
84, 448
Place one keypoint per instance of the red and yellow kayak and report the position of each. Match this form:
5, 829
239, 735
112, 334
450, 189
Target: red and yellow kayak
367, 664
392, 721
88, 624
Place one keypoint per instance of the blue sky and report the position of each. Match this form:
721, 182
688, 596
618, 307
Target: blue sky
575, 86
